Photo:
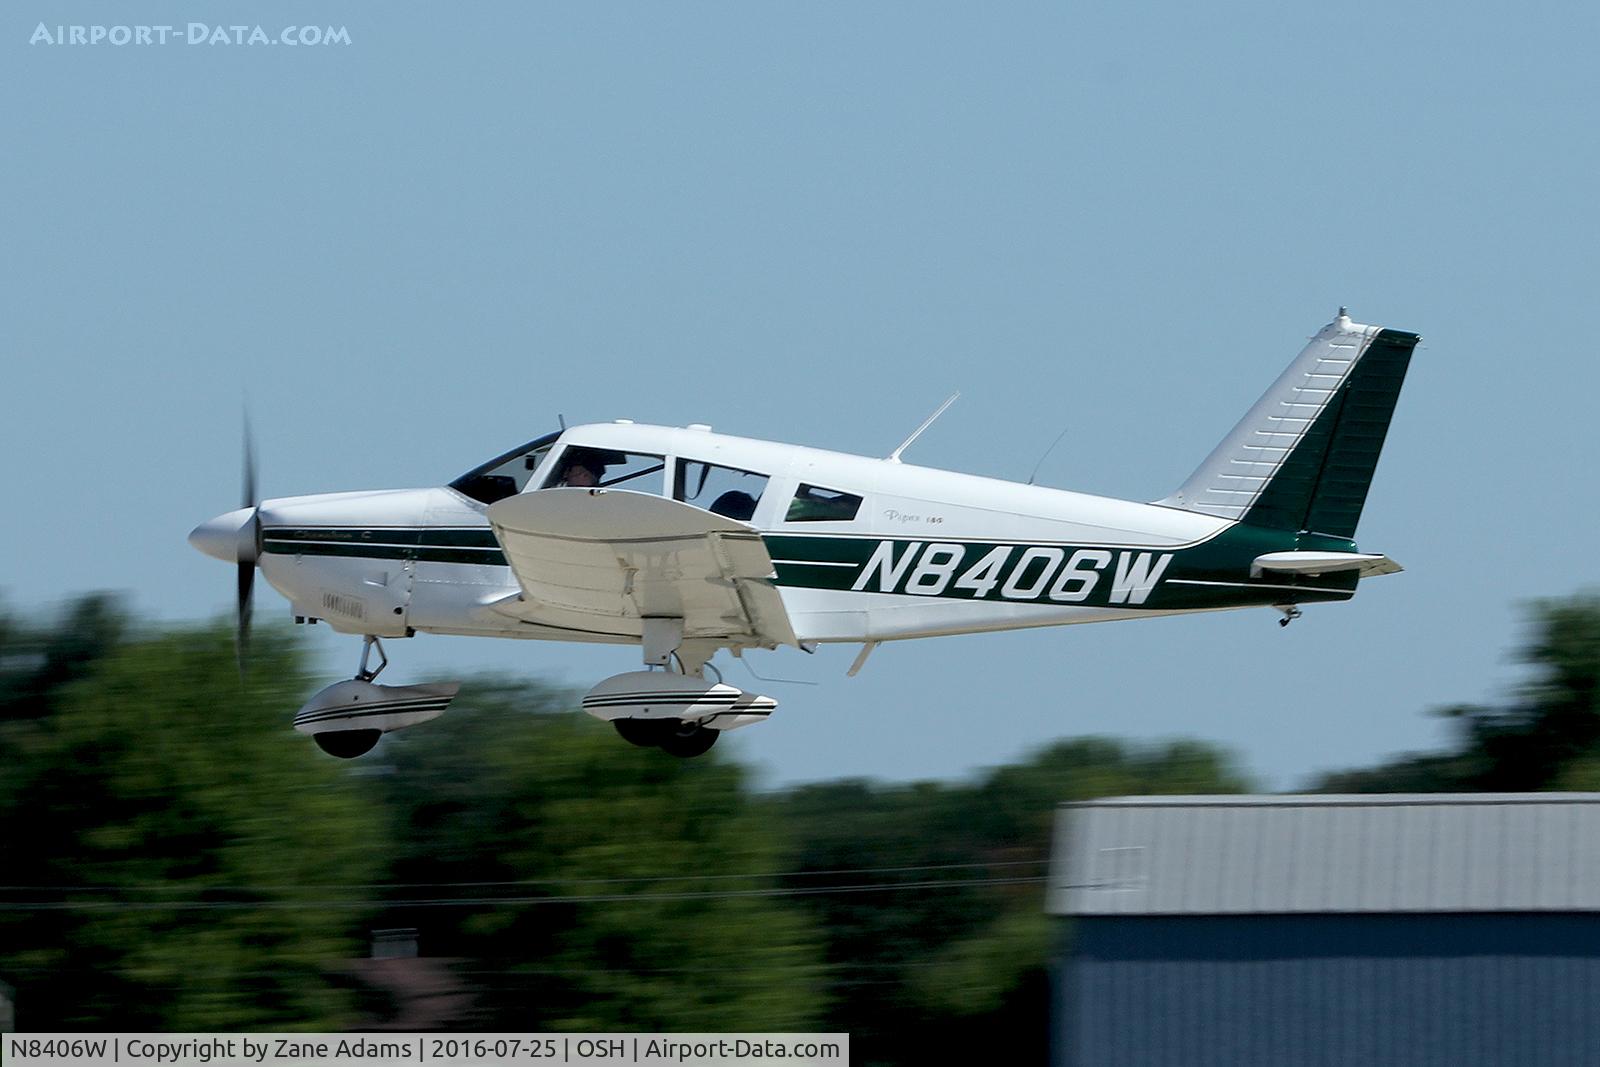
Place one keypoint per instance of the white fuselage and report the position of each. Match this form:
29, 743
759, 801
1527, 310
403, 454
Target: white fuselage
396, 561
687, 543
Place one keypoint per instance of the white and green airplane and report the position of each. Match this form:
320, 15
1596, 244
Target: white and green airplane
687, 543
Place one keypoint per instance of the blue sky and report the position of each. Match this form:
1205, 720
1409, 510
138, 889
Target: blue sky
812, 222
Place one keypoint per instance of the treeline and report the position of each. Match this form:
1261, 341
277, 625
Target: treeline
1545, 737
174, 857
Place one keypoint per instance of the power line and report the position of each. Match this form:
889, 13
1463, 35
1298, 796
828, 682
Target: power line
516, 901
571, 880
822, 968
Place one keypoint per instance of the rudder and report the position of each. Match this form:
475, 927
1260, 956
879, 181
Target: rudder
1303, 457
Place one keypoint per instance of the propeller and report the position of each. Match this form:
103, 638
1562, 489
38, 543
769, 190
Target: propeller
249, 548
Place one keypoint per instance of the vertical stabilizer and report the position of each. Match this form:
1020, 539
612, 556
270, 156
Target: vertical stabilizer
1303, 457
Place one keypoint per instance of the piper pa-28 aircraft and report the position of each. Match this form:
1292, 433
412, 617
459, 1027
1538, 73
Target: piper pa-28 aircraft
686, 542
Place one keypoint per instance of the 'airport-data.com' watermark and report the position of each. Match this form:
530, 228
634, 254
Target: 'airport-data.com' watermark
193, 33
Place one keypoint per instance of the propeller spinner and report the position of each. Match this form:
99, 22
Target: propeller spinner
236, 538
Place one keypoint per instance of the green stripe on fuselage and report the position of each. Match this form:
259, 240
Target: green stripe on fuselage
431, 545
1211, 574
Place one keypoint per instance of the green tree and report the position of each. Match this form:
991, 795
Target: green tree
37, 661
628, 889
1546, 737
951, 947
166, 833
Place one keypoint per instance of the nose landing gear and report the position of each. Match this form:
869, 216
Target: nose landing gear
368, 643
347, 718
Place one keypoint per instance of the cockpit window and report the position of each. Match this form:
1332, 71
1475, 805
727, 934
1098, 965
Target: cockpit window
582, 467
507, 474
812, 503
725, 491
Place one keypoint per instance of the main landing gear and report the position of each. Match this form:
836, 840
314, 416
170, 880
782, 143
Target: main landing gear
664, 709
675, 737
680, 711
368, 643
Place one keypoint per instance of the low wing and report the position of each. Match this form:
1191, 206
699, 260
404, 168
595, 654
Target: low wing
600, 561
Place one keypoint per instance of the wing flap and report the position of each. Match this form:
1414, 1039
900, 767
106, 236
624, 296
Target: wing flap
604, 560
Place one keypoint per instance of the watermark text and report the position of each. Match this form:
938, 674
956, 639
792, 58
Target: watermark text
192, 33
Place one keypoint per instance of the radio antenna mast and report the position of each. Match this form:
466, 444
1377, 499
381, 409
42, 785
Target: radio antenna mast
1047, 452
894, 457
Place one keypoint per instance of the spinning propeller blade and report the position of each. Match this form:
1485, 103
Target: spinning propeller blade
249, 500
241, 643
249, 549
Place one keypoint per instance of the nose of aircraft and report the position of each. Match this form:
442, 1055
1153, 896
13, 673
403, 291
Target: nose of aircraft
220, 537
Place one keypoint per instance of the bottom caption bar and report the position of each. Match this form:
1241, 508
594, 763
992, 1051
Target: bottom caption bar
410, 1050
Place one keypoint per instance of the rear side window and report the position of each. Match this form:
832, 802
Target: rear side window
812, 503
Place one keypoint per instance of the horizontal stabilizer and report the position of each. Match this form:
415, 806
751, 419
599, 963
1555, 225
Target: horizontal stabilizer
1314, 563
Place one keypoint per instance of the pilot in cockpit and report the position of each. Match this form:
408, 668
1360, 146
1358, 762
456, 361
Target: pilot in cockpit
582, 468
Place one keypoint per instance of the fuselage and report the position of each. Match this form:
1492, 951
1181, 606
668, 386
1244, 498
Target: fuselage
863, 549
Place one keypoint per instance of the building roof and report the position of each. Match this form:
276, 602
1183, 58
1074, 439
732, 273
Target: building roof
1420, 852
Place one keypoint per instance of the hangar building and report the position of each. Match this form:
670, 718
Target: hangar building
1368, 929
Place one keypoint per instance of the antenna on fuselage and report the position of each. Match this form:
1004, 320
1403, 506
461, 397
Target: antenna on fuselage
1047, 452
894, 457
562, 419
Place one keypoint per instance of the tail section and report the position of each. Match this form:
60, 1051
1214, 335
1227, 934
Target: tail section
1302, 459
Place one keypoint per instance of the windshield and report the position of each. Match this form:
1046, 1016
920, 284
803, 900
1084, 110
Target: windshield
506, 474
583, 467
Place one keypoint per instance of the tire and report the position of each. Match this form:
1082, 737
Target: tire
689, 741
347, 744
646, 733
